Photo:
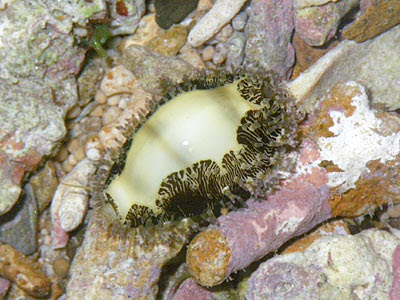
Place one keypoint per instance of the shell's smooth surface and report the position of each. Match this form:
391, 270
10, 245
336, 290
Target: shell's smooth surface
204, 148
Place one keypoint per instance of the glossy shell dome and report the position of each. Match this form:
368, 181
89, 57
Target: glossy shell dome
204, 148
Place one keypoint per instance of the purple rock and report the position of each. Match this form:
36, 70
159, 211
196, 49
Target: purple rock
316, 25
269, 30
4, 287
280, 280
189, 289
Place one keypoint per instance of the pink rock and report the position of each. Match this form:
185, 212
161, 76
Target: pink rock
395, 292
316, 25
269, 30
189, 290
4, 287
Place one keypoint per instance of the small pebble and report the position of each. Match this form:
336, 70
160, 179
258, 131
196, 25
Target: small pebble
60, 172
239, 22
210, 65
74, 112
220, 54
79, 154
71, 159
224, 34
69, 163
71, 125
73, 145
93, 154
98, 111
81, 32
235, 50
61, 266
100, 97
124, 103
191, 56
207, 53
62, 154
114, 100
86, 110
91, 124
111, 114
150, 7
75, 130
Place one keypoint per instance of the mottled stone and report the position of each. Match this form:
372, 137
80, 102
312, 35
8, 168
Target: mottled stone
100, 97
316, 25
168, 43
239, 22
4, 287
269, 31
9, 193
374, 63
31, 125
153, 68
39, 60
91, 124
171, 12
49, 49
148, 29
378, 16
44, 184
309, 3
74, 112
207, 53
220, 54
149, 34
125, 15
98, 111
132, 259
235, 48
114, 100
333, 267
111, 114
62, 154
190, 55
19, 227
224, 34
24, 272
118, 80
61, 266
89, 79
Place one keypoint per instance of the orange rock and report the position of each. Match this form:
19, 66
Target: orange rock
19, 269
379, 17
307, 55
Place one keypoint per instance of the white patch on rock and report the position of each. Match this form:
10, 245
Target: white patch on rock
289, 225
356, 142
